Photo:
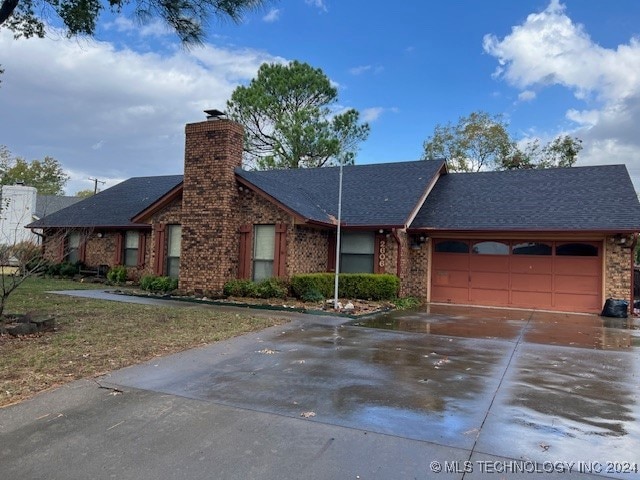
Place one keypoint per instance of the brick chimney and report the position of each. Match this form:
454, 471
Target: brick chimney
210, 242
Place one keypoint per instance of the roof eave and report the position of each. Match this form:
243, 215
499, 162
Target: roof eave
466, 231
432, 183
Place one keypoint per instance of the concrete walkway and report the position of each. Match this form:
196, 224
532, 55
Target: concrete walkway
445, 393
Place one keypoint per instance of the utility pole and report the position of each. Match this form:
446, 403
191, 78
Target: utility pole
95, 184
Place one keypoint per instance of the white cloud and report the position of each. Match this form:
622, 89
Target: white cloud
110, 113
319, 4
527, 96
374, 113
548, 48
272, 16
359, 70
155, 28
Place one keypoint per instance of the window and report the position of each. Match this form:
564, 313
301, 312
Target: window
131, 239
356, 252
491, 248
264, 238
531, 248
577, 249
174, 237
73, 247
452, 246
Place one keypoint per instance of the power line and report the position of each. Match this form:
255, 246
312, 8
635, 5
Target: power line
95, 184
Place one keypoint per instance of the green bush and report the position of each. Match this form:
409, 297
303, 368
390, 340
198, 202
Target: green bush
272, 288
117, 274
367, 286
406, 303
239, 288
312, 295
154, 283
269, 288
68, 269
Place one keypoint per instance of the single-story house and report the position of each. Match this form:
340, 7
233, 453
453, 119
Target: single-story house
558, 239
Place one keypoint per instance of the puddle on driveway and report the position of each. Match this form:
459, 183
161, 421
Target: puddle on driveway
549, 328
414, 386
568, 404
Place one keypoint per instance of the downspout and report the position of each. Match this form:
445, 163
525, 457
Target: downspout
633, 271
394, 231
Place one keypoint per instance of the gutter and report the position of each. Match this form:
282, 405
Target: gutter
394, 232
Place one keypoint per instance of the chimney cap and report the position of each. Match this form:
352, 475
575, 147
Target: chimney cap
214, 114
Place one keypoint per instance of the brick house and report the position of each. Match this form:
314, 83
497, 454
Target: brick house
558, 239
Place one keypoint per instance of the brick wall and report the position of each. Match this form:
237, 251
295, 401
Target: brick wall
617, 268
210, 222
309, 251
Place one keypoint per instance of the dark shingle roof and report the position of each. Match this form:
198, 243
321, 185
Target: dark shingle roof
48, 204
598, 198
378, 194
114, 206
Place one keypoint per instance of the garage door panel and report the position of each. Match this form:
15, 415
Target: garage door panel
453, 261
532, 299
529, 264
449, 294
581, 303
489, 296
489, 263
490, 280
451, 278
577, 265
577, 284
531, 283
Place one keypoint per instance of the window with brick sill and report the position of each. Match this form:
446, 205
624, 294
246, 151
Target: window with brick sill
264, 237
131, 244
174, 238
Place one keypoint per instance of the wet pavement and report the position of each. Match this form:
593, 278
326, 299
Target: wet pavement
384, 397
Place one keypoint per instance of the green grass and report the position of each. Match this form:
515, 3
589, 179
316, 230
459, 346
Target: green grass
93, 337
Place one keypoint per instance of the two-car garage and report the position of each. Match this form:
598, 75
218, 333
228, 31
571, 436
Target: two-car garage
546, 274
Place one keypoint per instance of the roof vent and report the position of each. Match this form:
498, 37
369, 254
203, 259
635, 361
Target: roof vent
215, 114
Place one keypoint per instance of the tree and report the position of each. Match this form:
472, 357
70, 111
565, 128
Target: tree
290, 120
187, 18
561, 152
482, 142
46, 175
476, 142
85, 193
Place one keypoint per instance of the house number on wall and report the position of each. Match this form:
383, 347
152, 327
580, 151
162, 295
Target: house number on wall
382, 253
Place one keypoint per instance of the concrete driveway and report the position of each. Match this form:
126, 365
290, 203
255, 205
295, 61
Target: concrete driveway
458, 392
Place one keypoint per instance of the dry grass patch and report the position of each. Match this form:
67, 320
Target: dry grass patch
93, 336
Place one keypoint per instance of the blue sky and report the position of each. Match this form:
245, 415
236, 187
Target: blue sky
115, 106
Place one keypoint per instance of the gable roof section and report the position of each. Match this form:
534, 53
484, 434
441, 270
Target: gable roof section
113, 207
600, 198
373, 195
48, 204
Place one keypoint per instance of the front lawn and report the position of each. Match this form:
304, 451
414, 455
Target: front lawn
93, 337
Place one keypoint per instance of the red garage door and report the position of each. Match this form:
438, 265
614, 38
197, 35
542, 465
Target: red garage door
550, 275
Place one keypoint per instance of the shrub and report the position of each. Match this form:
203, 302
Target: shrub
117, 274
238, 288
406, 303
154, 283
68, 269
366, 286
272, 288
312, 295
53, 269
269, 288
